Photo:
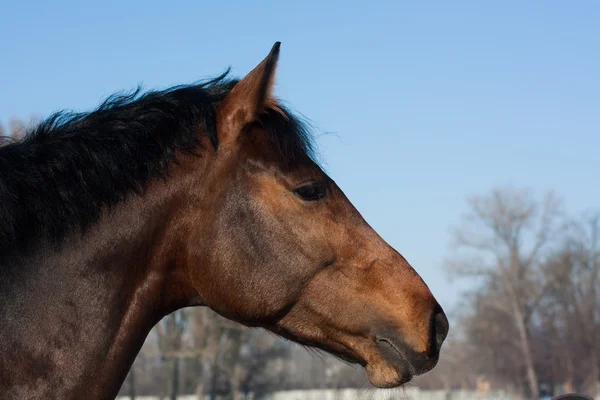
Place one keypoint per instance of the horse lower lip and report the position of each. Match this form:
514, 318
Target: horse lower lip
401, 358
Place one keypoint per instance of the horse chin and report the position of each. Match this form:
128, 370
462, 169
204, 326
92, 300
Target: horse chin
386, 375
387, 367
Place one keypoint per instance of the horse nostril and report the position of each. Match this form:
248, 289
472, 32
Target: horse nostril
441, 327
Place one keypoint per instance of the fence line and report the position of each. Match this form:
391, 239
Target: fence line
363, 394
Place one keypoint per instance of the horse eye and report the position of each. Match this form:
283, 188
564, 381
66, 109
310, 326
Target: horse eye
312, 191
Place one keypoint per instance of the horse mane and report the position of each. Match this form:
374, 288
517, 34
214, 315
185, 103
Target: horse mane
57, 179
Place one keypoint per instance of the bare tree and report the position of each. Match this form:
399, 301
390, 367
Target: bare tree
505, 234
573, 307
260, 368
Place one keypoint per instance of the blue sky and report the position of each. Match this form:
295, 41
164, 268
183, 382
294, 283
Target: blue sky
417, 104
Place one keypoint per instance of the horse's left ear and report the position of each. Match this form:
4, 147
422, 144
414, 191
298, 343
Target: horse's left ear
247, 99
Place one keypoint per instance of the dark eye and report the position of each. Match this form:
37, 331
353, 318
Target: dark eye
312, 191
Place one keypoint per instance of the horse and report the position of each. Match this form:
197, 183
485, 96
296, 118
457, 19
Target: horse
207, 194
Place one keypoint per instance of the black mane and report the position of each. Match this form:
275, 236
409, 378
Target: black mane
56, 180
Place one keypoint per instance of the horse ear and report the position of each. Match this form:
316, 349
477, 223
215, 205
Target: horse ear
247, 99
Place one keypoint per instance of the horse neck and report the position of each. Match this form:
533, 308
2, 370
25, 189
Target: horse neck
72, 322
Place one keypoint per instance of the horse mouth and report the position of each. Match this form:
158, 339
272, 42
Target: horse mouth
392, 368
384, 362
387, 343
387, 367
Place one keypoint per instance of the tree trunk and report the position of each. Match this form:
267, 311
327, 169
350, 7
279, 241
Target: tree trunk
569, 385
213, 381
132, 383
215, 366
175, 379
236, 338
593, 387
200, 390
200, 378
526, 350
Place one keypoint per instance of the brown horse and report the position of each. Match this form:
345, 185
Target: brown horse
199, 195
